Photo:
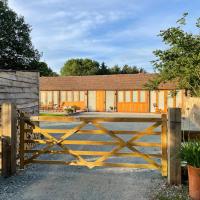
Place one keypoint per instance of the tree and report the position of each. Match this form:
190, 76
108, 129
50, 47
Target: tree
115, 70
181, 61
132, 70
4, 1
44, 69
103, 70
126, 69
16, 49
80, 67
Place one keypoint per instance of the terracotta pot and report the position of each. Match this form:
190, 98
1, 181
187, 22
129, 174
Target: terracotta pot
194, 182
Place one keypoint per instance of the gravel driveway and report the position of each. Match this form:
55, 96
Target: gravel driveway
58, 182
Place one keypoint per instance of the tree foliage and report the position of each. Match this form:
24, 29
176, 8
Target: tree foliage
115, 70
44, 70
103, 69
180, 62
16, 49
81, 67
131, 70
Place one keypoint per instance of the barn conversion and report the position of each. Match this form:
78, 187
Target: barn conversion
120, 93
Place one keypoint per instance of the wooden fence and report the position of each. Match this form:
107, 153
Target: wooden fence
170, 163
20, 88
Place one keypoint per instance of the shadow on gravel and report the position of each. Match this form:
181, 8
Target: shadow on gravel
41, 182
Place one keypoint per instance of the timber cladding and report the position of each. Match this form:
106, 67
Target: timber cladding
20, 88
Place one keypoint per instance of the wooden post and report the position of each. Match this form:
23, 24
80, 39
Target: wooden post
9, 139
6, 162
174, 145
164, 144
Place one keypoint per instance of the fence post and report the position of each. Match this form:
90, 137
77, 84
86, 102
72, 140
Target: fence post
164, 144
21, 143
9, 139
174, 145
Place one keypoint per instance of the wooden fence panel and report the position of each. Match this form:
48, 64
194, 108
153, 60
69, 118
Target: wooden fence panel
20, 88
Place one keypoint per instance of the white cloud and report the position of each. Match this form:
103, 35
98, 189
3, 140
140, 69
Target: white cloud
113, 31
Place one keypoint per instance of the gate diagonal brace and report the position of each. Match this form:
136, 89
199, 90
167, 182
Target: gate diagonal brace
59, 143
127, 144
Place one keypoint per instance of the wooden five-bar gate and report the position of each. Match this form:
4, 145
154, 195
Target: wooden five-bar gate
58, 141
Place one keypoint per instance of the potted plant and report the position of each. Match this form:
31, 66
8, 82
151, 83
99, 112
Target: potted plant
111, 108
75, 108
69, 111
190, 153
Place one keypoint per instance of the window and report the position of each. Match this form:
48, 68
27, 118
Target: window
120, 96
127, 96
170, 100
49, 97
142, 96
55, 97
161, 100
135, 96
69, 96
178, 99
42, 98
82, 95
62, 96
76, 96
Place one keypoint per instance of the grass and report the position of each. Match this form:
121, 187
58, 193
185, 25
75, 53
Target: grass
52, 114
164, 191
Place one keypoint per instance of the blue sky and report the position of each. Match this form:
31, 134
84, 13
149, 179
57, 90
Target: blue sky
114, 31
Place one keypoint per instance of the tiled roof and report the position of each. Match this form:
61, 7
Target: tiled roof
100, 82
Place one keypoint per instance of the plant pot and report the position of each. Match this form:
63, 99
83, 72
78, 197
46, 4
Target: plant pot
194, 182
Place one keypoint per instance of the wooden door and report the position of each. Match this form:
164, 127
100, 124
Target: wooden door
110, 100
133, 101
100, 101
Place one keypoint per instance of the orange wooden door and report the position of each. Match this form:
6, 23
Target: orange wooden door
100, 101
140, 104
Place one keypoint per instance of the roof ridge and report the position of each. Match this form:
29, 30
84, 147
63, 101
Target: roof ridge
106, 75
